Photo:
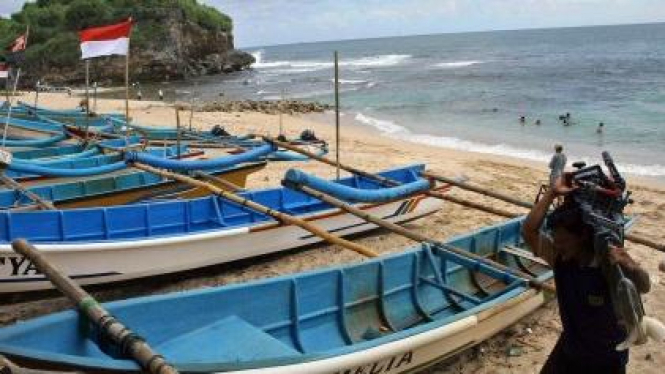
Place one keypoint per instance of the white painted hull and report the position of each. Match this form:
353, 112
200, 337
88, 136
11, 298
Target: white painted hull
103, 262
413, 354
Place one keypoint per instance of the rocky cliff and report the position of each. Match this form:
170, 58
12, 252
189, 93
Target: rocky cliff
172, 39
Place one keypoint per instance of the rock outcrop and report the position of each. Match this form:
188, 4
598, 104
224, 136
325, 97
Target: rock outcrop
264, 106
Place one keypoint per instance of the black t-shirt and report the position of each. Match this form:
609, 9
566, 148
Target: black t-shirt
590, 328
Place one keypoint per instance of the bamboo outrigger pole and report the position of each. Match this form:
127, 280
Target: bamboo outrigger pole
119, 334
631, 237
10, 182
282, 217
524, 204
8, 367
387, 181
536, 283
337, 129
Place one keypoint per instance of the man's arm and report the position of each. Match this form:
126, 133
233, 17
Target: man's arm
531, 228
631, 269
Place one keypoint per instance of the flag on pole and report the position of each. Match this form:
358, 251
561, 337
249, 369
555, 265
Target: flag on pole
4, 71
15, 54
106, 40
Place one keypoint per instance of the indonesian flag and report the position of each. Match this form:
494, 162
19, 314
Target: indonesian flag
106, 40
4, 71
18, 44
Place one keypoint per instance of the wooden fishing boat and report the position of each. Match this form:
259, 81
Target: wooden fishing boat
121, 189
98, 245
24, 129
74, 167
393, 314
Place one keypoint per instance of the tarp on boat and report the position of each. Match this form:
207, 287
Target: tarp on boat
349, 193
221, 162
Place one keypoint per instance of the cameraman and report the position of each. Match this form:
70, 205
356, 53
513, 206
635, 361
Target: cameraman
591, 330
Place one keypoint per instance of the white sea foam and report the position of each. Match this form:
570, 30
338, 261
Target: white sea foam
394, 130
457, 64
387, 127
305, 66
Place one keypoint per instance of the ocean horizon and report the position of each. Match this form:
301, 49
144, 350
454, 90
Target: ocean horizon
467, 91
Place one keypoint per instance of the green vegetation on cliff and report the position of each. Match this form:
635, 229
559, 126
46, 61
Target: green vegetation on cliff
53, 40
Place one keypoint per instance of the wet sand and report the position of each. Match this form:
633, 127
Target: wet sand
520, 349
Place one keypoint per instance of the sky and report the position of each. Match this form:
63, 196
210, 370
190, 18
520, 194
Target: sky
270, 22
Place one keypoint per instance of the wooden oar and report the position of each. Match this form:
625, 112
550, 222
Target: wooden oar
10, 182
632, 237
282, 217
400, 230
131, 343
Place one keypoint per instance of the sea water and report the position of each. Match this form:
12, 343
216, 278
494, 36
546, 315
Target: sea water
468, 91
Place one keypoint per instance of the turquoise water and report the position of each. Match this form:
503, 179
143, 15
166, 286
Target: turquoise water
467, 91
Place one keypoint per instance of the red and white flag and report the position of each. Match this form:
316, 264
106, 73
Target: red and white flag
19, 44
106, 40
4, 71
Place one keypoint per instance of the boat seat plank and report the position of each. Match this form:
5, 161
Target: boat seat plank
231, 339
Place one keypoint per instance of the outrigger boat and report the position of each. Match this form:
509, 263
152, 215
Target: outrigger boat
126, 188
106, 244
392, 314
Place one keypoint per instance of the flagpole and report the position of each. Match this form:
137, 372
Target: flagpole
127, 91
36, 96
9, 110
18, 74
87, 99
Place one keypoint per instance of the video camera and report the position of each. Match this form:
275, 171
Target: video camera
602, 198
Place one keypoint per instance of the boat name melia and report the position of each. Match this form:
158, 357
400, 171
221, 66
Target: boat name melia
383, 366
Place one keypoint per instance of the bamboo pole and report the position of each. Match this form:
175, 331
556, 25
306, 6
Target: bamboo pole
397, 229
337, 129
631, 237
177, 133
133, 345
282, 217
222, 182
477, 189
87, 98
37, 96
8, 367
127, 92
42, 203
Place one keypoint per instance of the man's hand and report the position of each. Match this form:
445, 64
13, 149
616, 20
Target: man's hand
561, 188
619, 256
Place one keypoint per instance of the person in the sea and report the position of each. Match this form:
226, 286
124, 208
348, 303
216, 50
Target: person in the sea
522, 119
590, 329
599, 130
538, 123
557, 164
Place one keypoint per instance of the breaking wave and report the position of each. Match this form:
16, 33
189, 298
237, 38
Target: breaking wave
305, 66
457, 64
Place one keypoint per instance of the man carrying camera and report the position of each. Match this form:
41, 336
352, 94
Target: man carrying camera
591, 330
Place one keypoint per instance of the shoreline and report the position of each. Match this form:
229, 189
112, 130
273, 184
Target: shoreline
362, 148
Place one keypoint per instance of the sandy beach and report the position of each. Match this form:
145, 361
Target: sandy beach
520, 349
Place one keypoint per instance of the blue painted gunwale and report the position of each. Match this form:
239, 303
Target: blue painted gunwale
305, 317
84, 166
89, 188
180, 217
